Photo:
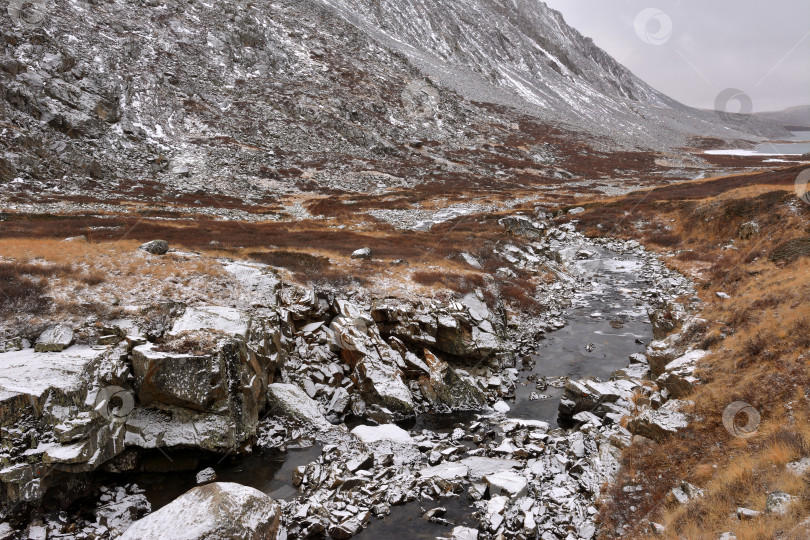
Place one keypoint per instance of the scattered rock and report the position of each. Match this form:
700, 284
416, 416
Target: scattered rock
292, 401
658, 424
118, 508
206, 476
385, 432
446, 471
778, 502
340, 401
448, 387
506, 483
746, 513
799, 467
156, 247
501, 407
748, 230
362, 253
463, 533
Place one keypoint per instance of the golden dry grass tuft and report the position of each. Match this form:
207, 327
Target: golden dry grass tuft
45, 279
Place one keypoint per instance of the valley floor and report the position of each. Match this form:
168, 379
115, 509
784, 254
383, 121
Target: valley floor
259, 338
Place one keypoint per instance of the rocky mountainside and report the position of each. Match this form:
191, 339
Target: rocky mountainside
277, 97
798, 116
521, 53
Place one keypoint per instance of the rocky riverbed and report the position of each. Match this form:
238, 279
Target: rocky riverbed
480, 422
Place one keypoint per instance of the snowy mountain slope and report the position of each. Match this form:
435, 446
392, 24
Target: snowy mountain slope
522, 53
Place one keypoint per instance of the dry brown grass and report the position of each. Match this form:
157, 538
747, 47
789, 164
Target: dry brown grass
458, 282
44, 279
760, 339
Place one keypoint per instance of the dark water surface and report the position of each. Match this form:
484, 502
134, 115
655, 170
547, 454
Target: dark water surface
270, 473
607, 320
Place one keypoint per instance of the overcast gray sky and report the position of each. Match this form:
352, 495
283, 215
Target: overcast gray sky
693, 50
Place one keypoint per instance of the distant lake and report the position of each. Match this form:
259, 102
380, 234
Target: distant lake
795, 145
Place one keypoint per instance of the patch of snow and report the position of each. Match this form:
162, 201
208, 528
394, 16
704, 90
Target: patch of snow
384, 432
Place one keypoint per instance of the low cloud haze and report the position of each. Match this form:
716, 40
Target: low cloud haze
693, 50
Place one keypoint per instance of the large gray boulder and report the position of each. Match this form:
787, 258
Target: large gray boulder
467, 329
679, 375
362, 253
211, 372
659, 424
293, 402
217, 511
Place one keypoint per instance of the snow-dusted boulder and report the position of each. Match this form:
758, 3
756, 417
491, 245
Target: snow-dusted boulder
480, 466
588, 394
507, 483
678, 376
658, 424
55, 338
155, 247
523, 226
466, 329
384, 432
446, 471
362, 253
212, 512
222, 320
230, 381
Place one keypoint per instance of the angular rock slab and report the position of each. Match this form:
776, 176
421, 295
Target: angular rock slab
659, 424
230, 382
290, 400
480, 466
507, 483
55, 338
376, 364
212, 512
225, 320
448, 387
